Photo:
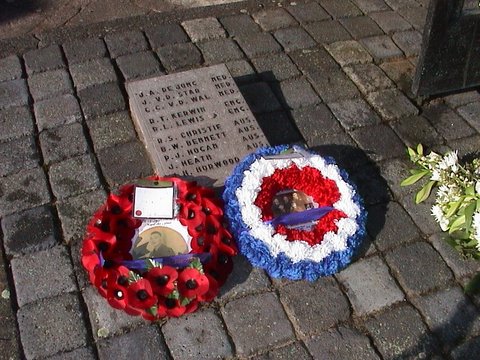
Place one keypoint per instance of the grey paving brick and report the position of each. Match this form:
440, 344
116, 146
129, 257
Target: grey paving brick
178, 56
204, 29
466, 350
401, 72
340, 9
274, 19
183, 342
460, 266
17, 154
292, 351
126, 43
243, 280
390, 226
106, 318
73, 176
400, 333
262, 311
361, 26
405, 264
390, 21
275, 68
311, 62
13, 93
398, 4
93, 72
297, 93
368, 6
10, 68
63, 142
58, 111
471, 113
51, 325
111, 129
415, 15
278, 128
391, 104
238, 25
220, 51
134, 164
381, 48
81, 50
447, 122
308, 12
416, 129
49, 84
75, 212
241, 71
43, 274
47, 58
258, 44
101, 100
462, 98
294, 38
341, 343
139, 65
318, 312
326, 32
354, 113
409, 41
315, 122
146, 338
84, 353
15, 122
394, 171
333, 85
370, 184
368, 77
260, 97
379, 142
29, 231
449, 315
369, 286
23, 190
420, 213
468, 145
166, 34
348, 52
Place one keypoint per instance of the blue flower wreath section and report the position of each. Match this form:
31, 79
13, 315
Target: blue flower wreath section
281, 266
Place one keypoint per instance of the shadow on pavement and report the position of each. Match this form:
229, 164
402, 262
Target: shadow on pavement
10, 10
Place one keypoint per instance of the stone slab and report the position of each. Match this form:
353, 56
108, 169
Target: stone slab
18, 154
195, 122
10, 68
13, 93
15, 122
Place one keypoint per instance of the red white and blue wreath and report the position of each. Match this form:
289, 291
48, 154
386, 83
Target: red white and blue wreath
167, 286
319, 239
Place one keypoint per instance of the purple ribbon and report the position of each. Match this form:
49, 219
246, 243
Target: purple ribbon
302, 217
177, 261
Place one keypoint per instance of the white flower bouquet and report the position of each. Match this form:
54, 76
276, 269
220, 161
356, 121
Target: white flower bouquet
457, 202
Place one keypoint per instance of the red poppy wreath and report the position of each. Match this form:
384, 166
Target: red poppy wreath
154, 269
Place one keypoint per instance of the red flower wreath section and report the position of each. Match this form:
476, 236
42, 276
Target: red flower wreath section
159, 290
310, 181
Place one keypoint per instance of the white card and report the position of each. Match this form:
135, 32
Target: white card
154, 202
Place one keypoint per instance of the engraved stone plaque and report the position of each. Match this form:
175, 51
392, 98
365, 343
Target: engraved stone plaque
194, 123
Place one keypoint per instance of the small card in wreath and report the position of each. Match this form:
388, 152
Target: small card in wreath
158, 248
294, 213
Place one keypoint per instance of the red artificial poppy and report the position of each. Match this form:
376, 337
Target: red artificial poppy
192, 283
117, 287
119, 204
101, 275
212, 292
212, 206
192, 216
104, 241
90, 256
171, 307
191, 306
140, 294
219, 266
162, 279
223, 240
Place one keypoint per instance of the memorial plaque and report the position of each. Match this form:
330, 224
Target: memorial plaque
194, 123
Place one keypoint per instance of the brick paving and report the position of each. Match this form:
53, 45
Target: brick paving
333, 74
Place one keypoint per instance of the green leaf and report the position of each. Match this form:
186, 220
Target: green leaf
457, 224
473, 287
196, 264
412, 179
470, 190
150, 264
452, 209
424, 193
411, 152
185, 301
153, 310
469, 210
174, 295
133, 277
420, 149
